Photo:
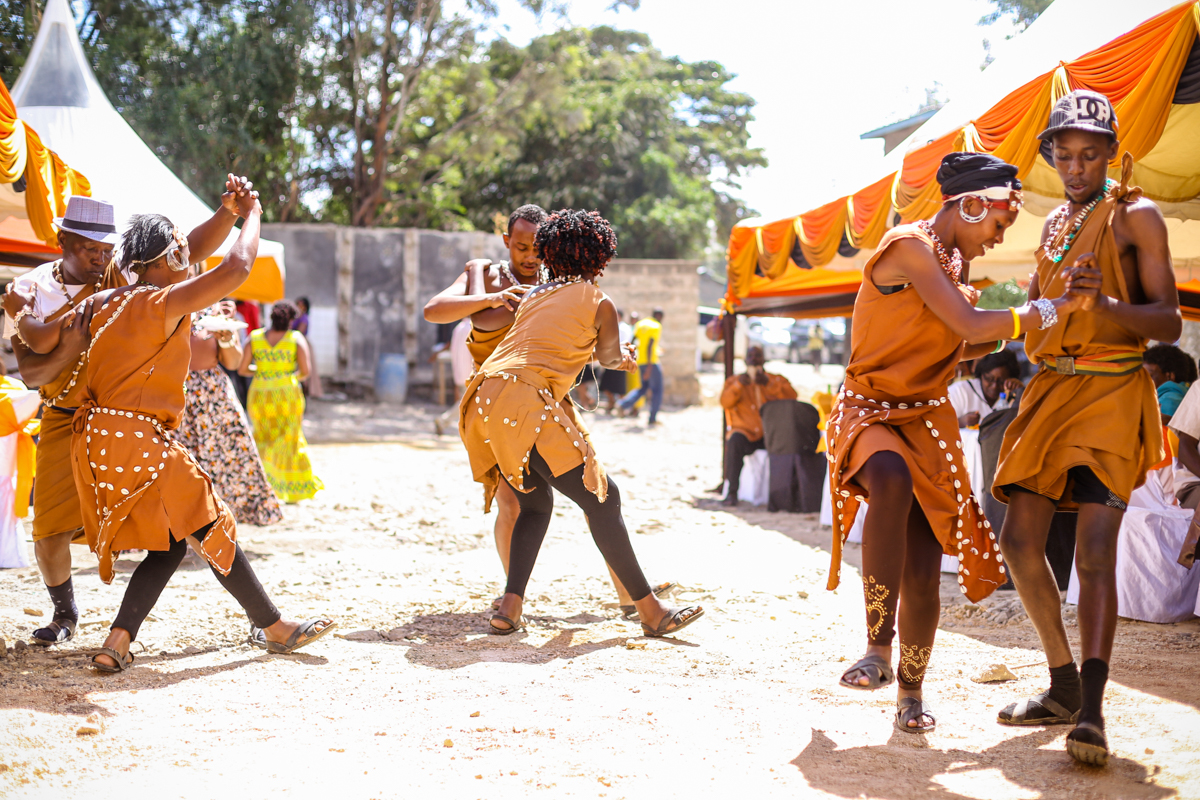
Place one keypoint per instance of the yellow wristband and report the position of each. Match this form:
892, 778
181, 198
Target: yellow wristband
1016, 323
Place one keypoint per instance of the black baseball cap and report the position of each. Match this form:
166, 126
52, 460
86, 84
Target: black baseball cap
1080, 110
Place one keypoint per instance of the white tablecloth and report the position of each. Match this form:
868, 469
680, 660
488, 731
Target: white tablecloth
1151, 584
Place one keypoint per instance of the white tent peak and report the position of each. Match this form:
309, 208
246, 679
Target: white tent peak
57, 72
58, 95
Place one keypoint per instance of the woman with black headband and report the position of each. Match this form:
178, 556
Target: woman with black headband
893, 434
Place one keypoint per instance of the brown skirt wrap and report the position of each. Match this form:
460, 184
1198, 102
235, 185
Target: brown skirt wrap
925, 434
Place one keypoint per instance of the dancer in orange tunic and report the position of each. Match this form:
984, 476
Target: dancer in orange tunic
139, 489
893, 435
1089, 424
488, 293
514, 424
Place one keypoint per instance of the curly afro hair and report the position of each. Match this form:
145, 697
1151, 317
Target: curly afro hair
576, 242
1172, 361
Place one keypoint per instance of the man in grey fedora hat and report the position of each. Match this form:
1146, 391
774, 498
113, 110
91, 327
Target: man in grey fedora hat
86, 235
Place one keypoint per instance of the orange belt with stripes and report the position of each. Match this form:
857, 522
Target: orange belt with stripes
1112, 364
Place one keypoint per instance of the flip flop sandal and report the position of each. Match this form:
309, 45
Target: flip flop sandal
883, 674
496, 602
304, 635
910, 708
257, 638
662, 590
674, 617
1018, 713
513, 627
123, 661
63, 630
1088, 752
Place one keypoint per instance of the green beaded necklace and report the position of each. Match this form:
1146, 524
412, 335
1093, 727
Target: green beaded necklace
1060, 218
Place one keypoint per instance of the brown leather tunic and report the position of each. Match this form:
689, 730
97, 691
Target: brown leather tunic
518, 397
901, 361
1110, 424
55, 498
138, 488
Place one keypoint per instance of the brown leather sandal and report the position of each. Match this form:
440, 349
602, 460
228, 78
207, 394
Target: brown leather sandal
123, 661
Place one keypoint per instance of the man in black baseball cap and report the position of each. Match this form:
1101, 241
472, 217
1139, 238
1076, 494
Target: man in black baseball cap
1088, 427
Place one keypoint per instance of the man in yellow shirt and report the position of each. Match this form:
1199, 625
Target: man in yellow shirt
648, 337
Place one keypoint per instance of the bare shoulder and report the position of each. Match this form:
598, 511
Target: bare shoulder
1141, 221
903, 257
488, 271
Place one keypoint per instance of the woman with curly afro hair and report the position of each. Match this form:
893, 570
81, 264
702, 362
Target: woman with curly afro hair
515, 429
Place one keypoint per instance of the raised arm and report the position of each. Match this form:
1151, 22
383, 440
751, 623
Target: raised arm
1158, 317
200, 292
206, 237
609, 351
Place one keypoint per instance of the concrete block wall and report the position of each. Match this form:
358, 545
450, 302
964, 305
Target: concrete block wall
368, 287
674, 286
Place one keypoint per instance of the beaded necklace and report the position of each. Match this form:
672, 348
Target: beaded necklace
952, 264
57, 273
1059, 220
543, 275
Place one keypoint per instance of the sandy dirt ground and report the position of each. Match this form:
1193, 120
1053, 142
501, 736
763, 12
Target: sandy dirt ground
414, 699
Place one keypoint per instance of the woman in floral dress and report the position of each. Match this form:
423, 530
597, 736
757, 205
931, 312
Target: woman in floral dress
215, 431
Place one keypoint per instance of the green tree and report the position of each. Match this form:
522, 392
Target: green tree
212, 86
656, 144
18, 24
1023, 12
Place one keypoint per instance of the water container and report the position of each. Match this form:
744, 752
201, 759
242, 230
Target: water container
391, 378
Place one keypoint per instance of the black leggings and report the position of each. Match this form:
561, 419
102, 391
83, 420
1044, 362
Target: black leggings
604, 520
151, 576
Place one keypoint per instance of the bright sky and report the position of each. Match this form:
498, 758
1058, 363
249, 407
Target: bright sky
822, 72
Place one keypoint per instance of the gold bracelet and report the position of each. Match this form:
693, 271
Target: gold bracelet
1016, 323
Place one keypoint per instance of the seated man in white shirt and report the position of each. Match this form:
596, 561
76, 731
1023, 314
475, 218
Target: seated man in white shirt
995, 386
1185, 483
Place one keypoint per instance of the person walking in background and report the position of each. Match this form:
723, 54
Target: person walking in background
742, 398
279, 359
648, 337
312, 386
213, 426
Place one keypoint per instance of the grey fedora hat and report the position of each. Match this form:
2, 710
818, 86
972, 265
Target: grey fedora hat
92, 219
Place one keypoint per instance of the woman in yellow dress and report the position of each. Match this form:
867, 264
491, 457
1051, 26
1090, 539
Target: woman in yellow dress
279, 359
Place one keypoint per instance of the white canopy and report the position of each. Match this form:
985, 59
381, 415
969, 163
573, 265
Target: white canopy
59, 96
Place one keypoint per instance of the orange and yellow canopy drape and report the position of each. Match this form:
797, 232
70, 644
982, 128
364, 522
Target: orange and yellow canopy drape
1139, 71
48, 180
12, 421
